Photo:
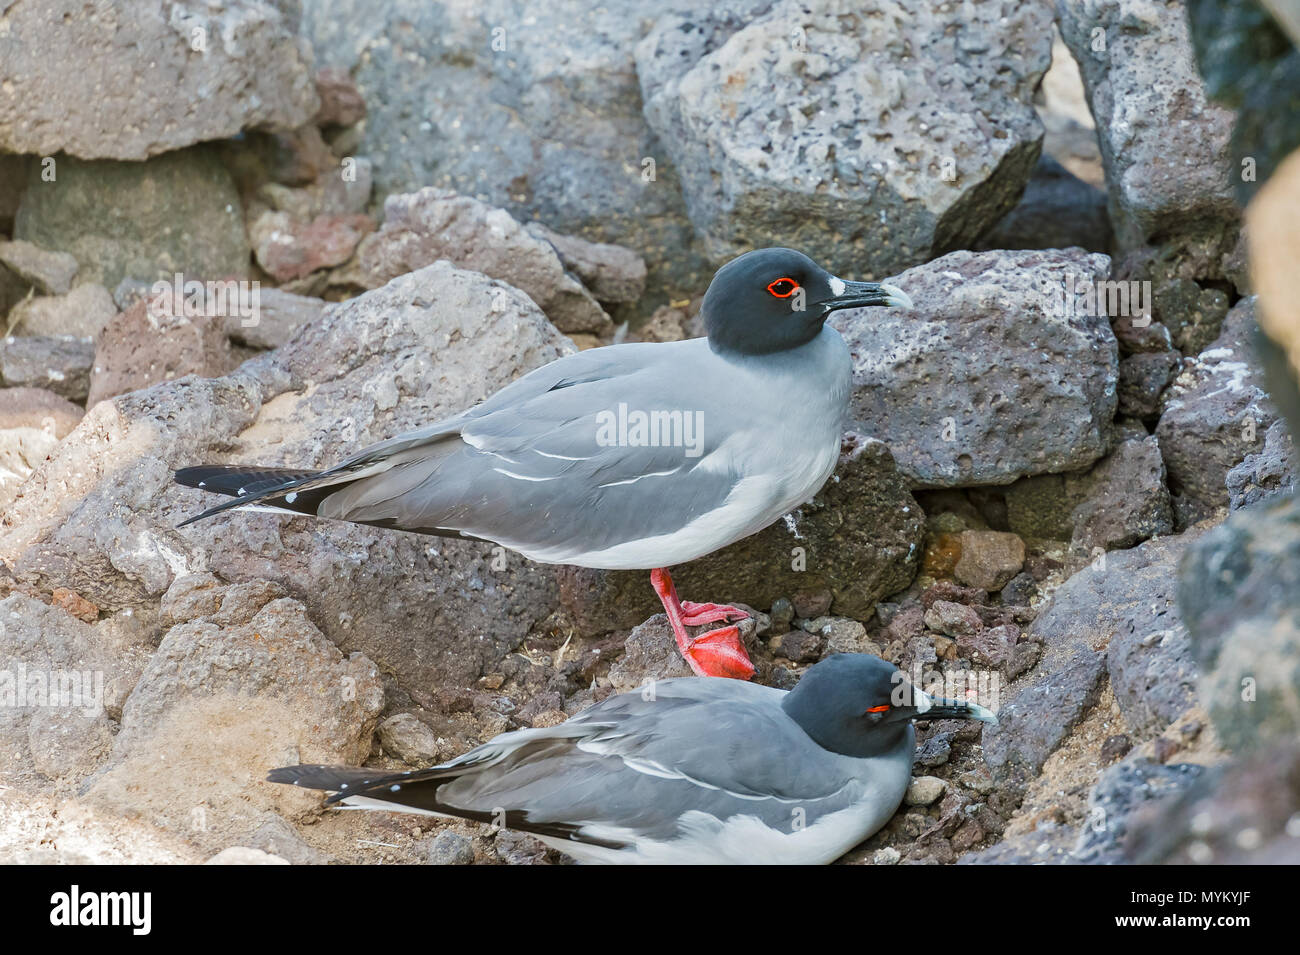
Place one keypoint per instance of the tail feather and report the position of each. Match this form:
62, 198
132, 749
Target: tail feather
411, 789
239, 481
418, 789
276, 488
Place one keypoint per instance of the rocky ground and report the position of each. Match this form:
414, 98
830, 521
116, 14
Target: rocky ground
1085, 503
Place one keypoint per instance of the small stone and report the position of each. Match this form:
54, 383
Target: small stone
906, 625
886, 856
83, 311
75, 604
970, 833
812, 604
50, 273
1020, 590
58, 363
978, 781
1115, 747
405, 737
992, 647
952, 619
842, 635
798, 646
782, 614
340, 100
989, 559
934, 751
552, 716
945, 648
924, 790
1165, 748
289, 249
450, 848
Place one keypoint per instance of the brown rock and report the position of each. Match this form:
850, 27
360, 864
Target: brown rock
75, 604
50, 273
341, 103
38, 408
82, 312
1115, 747
989, 559
150, 344
288, 249
952, 619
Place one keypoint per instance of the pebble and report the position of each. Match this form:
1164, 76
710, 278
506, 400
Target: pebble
924, 790
450, 848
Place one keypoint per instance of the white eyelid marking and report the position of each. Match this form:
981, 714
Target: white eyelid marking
837, 286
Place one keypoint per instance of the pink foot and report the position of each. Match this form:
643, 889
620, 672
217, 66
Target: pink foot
714, 653
696, 615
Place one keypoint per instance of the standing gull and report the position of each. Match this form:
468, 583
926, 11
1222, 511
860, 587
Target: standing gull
686, 771
635, 456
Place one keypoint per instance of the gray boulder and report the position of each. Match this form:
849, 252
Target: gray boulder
1164, 144
60, 364
1214, 414
128, 82
179, 212
752, 102
1240, 596
49, 272
63, 684
1117, 616
1124, 499
993, 375
81, 312
227, 696
531, 106
1266, 474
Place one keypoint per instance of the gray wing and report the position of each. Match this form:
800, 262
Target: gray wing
636, 766
532, 468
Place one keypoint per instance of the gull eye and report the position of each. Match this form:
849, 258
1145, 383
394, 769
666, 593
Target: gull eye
783, 287
878, 709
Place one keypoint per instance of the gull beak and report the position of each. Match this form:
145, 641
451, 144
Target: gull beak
859, 294
937, 708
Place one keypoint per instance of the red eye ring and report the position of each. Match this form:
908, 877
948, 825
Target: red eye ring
794, 287
877, 709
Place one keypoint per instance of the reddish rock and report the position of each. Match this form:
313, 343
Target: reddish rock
147, 344
340, 100
288, 249
75, 604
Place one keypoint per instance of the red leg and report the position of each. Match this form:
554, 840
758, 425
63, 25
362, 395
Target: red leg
715, 653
